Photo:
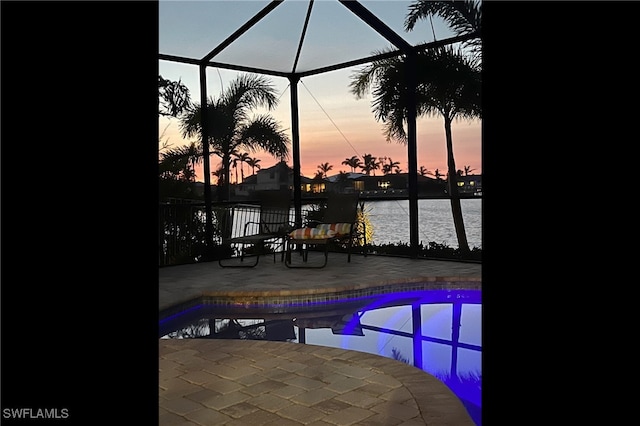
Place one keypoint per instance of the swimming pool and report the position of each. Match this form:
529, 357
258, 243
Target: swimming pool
437, 330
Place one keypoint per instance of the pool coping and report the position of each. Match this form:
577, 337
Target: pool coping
262, 298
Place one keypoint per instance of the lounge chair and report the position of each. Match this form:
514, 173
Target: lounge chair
271, 225
338, 226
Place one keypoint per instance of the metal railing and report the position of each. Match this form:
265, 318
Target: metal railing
182, 233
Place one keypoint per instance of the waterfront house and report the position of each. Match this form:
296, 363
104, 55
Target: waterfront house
470, 185
392, 185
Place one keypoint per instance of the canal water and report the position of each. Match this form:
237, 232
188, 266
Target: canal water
390, 221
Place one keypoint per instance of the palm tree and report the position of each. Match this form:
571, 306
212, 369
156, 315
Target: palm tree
464, 17
353, 162
230, 127
423, 171
174, 97
253, 163
437, 174
448, 84
242, 158
218, 174
234, 165
323, 169
179, 161
377, 165
172, 164
177, 172
390, 166
369, 164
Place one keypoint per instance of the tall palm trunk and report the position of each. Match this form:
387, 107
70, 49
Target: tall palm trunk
223, 192
456, 207
235, 166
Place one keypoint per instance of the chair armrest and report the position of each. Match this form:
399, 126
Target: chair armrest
246, 225
278, 228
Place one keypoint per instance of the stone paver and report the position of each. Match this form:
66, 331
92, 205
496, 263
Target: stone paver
358, 399
239, 410
381, 420
205, 417
256, 418
345, 385
263, 387
348, 416
300, 413
304, 383
224, 401
394, 409
173, 387
269, 402
331, 406
313, 397
181, 405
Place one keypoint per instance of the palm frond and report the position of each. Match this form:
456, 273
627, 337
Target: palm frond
264, 132
179, 160
448, 84
174, 97
250, 91
463, 17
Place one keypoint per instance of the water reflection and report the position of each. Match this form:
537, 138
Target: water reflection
438, 331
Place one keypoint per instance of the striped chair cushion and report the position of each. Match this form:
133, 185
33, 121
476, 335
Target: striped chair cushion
339, 228
311, 233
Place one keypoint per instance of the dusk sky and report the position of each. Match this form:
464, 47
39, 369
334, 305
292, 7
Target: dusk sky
334, 125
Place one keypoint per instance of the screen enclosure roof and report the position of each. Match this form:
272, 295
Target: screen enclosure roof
284, 37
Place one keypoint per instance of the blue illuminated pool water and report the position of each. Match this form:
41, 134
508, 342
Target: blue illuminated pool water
438, 331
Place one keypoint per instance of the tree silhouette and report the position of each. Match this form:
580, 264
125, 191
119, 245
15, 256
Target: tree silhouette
369, 164
179, 163
241, 157
253, 163
323, 169
353, 162
437, 174
390, 166
174, 97
448, 85
464, 17
230, 126
218, 173
234, 165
